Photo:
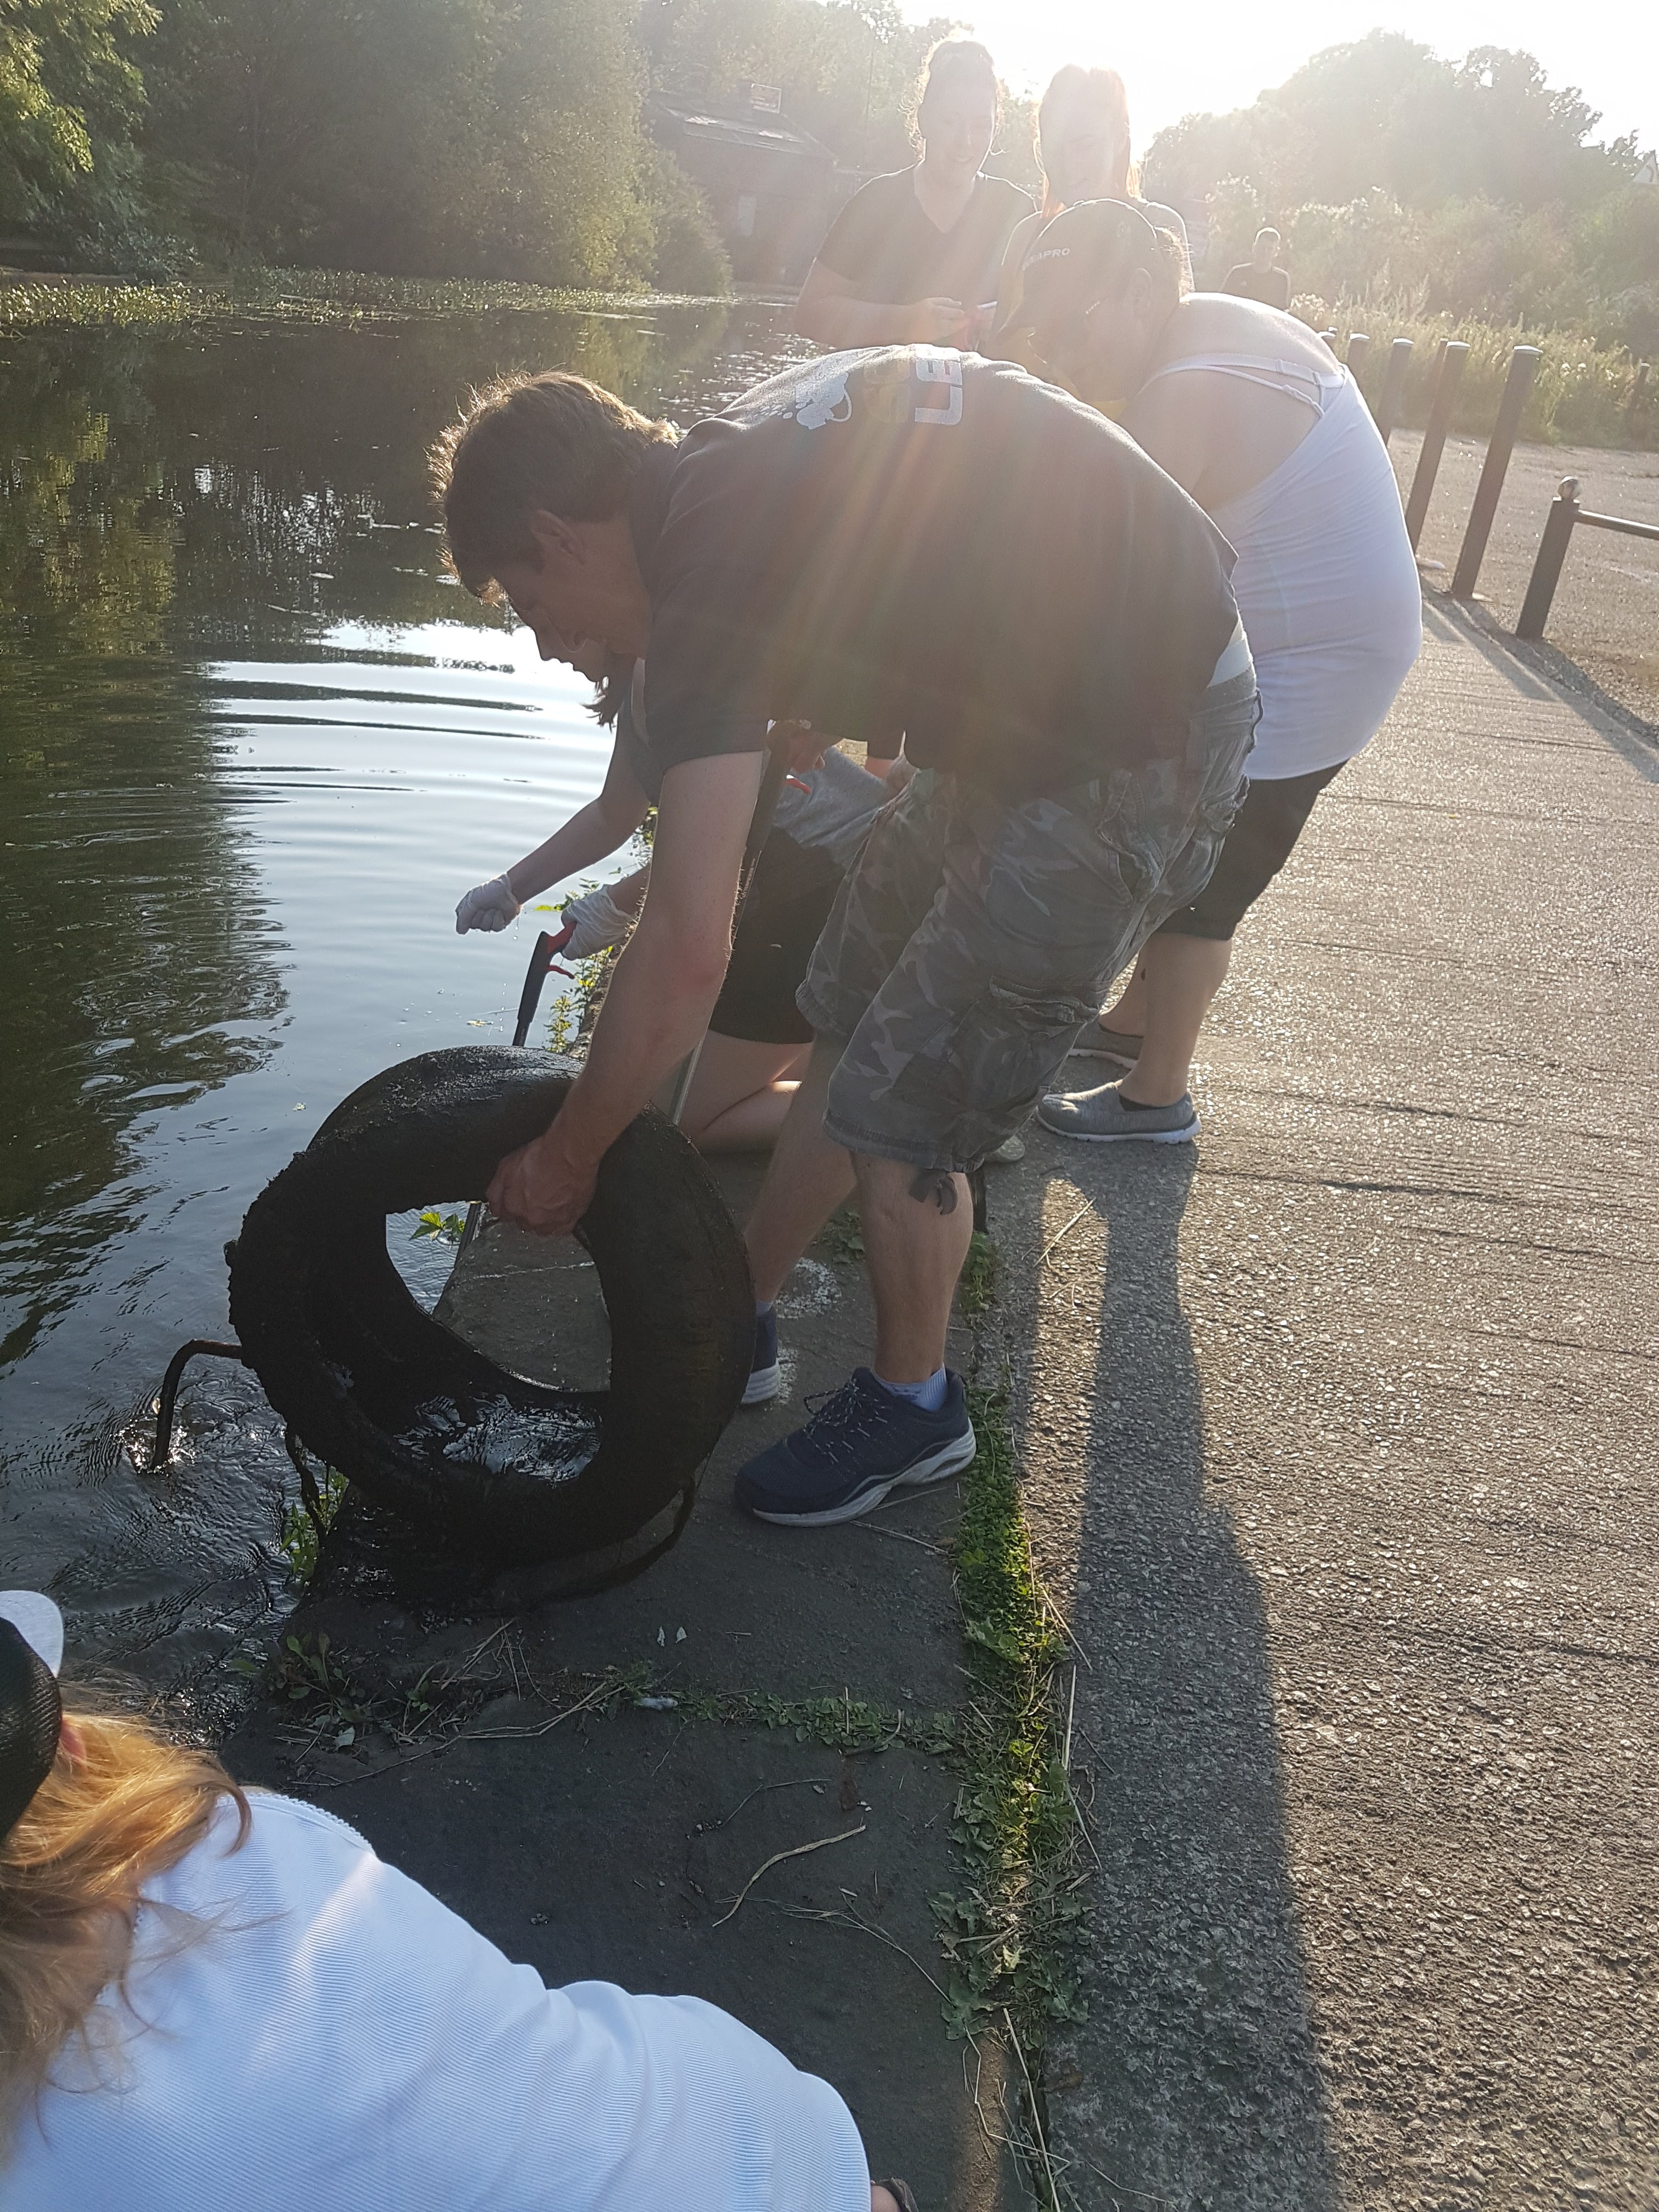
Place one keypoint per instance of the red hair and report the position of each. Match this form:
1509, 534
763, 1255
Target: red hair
1102, 90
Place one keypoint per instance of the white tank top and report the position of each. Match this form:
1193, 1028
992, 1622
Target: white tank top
1325, 583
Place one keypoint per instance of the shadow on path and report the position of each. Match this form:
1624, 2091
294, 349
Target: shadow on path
1195, 2081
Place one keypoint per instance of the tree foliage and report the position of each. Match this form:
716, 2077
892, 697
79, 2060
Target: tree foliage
70, 99
1470, 188
485, 138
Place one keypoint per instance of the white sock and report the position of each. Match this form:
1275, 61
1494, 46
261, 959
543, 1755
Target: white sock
929, 1395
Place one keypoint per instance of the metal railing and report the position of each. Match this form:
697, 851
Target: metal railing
1565, 515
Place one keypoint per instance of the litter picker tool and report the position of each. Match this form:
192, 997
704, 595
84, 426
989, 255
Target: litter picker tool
548, 943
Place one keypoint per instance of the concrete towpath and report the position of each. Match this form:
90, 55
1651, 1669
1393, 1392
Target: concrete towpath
724, 1778
1337, 1434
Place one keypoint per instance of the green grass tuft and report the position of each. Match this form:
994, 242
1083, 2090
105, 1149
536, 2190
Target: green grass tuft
287, 296
1013, 1939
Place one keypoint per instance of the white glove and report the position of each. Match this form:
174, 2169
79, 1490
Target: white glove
599, 922
491, 906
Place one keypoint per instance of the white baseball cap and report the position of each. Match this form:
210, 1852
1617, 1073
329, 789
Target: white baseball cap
37, 1621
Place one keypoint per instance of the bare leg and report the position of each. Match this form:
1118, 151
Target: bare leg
1127, 1014
740, 1093
916, 1228
808, 1179
1181, 975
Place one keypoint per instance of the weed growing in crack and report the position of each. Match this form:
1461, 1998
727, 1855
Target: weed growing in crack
842, 1238
978, 1281
1014, 1938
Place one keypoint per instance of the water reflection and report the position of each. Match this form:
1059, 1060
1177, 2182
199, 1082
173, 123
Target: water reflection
254, 745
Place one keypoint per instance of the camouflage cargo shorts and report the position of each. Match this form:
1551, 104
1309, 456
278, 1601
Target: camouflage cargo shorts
974, 936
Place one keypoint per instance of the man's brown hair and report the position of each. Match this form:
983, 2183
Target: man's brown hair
526, 444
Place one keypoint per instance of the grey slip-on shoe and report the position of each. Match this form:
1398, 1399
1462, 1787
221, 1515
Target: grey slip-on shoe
1099, 1042
1100, 1117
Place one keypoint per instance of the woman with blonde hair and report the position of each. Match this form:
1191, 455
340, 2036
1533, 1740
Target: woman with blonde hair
209, 1997
1084, 151
911, 258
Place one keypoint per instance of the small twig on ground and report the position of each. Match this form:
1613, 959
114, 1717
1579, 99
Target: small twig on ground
668, 1753
761, 1789
799, 1851
997, 2142
1146, 2196
1071, 1708
846, 1917
1047, 1597
1036, 2117
513, 1735
900, 1536
1087, 1206
472, 1658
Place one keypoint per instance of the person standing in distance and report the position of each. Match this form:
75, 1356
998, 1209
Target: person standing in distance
914, 542
913, 257
1261, 278
1247, 409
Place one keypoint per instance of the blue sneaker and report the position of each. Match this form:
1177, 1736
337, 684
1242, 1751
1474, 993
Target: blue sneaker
860, 1442
762, 1384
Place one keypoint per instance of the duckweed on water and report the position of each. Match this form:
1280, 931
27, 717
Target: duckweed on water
289, 295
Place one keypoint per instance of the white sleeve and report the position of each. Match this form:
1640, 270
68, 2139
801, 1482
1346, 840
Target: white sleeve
503, 2095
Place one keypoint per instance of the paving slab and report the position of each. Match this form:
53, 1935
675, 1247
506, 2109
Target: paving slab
1338, 1439
619, 1842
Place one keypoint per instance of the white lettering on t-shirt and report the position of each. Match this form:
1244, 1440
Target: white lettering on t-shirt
941, 368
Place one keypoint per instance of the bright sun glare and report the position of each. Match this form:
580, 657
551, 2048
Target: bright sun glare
1207, 55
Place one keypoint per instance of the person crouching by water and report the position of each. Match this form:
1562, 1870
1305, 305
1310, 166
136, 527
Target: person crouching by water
1246, 408
1083, 148
913, 257
758, 1041
911, 541
213, 1996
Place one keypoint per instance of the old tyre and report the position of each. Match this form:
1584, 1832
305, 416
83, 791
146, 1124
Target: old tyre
377, 1386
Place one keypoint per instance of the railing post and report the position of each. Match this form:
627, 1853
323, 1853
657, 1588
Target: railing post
1394, 387
1447, 377
1524, 368
1552, 552
1359, 346
1638, 392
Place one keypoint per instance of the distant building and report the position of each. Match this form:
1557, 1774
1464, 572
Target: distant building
772, 187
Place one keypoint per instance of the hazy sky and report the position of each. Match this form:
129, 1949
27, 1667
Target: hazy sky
1199, 54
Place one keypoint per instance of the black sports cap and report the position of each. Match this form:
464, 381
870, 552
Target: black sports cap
1088, 253
31, 1710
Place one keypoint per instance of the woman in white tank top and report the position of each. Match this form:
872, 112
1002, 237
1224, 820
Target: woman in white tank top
1246, 409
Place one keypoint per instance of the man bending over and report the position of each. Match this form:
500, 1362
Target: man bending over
907, 542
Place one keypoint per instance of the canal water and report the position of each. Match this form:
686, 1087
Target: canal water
255, 744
